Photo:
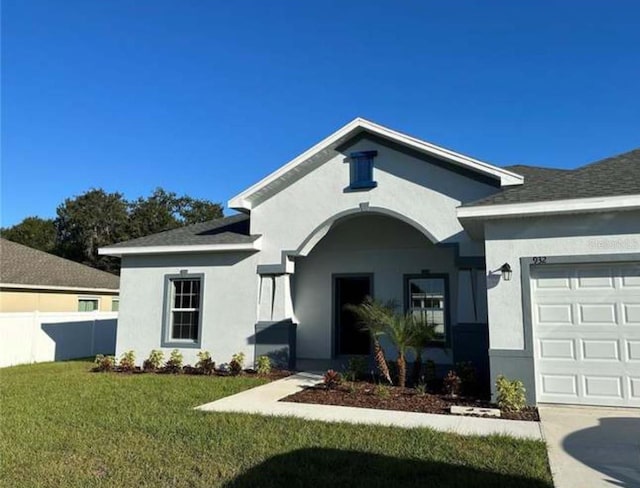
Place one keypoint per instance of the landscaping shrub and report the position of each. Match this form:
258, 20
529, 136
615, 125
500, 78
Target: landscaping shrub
104, 363
236, 365
468, 376
154, 361
421, 388
174, 364
381, 391
127, 361
452, 384
510, 394
263, 365
331, 379
205, 364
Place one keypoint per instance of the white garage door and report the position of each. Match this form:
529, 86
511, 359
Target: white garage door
586, 333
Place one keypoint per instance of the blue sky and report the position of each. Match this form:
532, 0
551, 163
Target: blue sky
206, 97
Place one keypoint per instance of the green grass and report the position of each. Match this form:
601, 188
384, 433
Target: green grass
63, 426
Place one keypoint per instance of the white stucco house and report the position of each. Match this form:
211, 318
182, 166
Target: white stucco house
530, 272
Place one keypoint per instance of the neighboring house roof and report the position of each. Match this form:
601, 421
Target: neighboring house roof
327, 148
225, 234
615, 176
22, 265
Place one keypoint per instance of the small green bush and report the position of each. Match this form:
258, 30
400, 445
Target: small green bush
381, 391
510, 394
154, 361
104, 363
205, 364
236, 365
421, 389
263, 365
174, 364
331, 379
127, 361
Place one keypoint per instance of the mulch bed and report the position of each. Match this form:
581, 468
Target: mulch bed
363, 394
275, 374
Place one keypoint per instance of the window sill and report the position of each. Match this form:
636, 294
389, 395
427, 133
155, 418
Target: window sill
361, 186
181, 344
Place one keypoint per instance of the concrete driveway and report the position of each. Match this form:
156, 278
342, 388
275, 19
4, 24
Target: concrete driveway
592, 447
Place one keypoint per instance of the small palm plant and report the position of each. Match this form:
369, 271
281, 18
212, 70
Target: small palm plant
375, 316
424, 334
401, 330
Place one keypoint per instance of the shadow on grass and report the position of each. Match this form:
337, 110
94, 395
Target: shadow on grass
337, 468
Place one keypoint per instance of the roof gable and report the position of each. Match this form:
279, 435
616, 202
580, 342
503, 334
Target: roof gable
329, 147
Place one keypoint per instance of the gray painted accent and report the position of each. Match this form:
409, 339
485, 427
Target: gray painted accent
334, 276
486, 179
471, 343
447, 312
515, 366
271, 269
165, 340
277, 340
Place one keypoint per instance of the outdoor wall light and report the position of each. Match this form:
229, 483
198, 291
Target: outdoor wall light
505, 269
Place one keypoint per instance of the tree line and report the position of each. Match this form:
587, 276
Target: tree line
97, 218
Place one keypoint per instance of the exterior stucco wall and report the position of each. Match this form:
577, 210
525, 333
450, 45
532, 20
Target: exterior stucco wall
576, 235
228, 310
419, 191
382, 246
12, 300
593, 237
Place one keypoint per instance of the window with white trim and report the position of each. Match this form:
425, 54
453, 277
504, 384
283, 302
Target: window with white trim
427, 302
115, 304
184, 314
88, 304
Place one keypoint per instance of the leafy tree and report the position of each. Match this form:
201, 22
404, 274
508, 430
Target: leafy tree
90, 221
33, 232
97, 219
424, 334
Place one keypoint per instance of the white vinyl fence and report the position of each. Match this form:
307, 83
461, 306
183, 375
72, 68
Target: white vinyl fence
33, 337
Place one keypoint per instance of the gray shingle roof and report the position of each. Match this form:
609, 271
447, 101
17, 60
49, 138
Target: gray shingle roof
615, 176
228, 230
27, 266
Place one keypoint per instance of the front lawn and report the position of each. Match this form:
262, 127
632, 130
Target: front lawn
63, 426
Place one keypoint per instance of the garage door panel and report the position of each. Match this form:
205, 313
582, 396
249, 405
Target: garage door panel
586, 321
557, 349
555, 314
600, 350
634, 388
597, 314
633, 350
560, 384
631, 313
603, 386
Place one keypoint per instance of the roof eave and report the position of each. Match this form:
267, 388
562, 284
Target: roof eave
253, 246
549, 207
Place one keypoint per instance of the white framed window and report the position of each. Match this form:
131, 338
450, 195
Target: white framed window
115, 304
88, 304
426, 298
183, 310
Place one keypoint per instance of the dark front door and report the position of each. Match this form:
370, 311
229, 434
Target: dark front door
350, 338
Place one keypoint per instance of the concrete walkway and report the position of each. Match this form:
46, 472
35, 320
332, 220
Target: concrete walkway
263, 400
592, 447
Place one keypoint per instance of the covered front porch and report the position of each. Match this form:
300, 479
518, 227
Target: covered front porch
391, 260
